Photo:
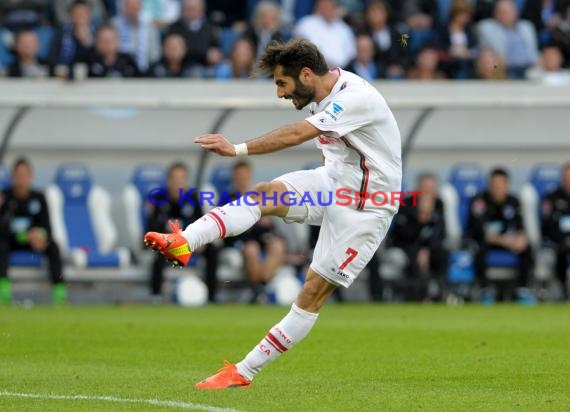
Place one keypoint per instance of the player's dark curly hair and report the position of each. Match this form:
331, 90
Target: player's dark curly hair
293, 56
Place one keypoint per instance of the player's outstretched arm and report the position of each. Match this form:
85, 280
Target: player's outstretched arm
279, 139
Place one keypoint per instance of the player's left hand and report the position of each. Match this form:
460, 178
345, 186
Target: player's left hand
216, 143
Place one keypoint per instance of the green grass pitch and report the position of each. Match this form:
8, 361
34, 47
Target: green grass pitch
357, 358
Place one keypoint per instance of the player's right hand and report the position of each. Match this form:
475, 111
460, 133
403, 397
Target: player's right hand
216, 143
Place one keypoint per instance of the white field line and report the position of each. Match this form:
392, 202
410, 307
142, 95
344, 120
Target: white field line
156, 402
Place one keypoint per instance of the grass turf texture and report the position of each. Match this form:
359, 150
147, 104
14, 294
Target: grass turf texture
357, 358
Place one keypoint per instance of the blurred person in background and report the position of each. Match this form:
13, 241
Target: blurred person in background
329, 33
555, 213
185, 212
173, 62
61, 11
137, 37
427, 65
419, 231
420, 14
549, 69
561, 34
458, 41
513, 39
265, 26
74, 39
391, 58
495, 223
490, 66
240, 64
227, 13
25, 226
202, 37
27, 63
264, 249
106, 60
544, 15
364, 64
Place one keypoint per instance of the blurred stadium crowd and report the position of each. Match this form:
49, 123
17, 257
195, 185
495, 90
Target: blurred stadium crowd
470, 238
220, 39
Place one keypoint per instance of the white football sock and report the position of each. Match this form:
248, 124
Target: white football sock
221, 222
290, 331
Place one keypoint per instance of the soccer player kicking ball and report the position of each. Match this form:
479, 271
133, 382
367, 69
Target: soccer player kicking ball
361, 145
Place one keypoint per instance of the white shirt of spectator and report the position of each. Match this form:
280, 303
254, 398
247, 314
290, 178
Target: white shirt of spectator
335, 40
361, 141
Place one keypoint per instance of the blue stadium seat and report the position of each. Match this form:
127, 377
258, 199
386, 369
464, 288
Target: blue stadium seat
45, 36
221, 178
6, 58
24, 258
543, 179
465, 181
501, 259
145, 178
4, 177
444, 7
227, 39
81, 219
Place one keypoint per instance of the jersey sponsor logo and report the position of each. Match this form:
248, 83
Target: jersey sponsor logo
334, 111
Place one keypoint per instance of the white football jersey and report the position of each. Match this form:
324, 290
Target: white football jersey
361, 141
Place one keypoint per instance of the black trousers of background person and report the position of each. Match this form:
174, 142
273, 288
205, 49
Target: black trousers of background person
525, 265
417, 282
8, 244
562, 268
211, 256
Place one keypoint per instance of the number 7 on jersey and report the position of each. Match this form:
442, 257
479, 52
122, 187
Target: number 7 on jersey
351, 256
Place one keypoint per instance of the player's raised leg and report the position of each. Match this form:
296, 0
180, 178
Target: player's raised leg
283, 336
221, 222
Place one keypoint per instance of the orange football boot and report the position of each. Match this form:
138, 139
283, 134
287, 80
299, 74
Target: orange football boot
172, 245
227, 377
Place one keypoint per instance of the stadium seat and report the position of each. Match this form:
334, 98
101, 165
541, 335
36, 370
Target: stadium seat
6, 58
24, 258
465, 181
543, 179
227, 39
81, 220
4, 177
145, 178
45, 35
443, 7
221, 178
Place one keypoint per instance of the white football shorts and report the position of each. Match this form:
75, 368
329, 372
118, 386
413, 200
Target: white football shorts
348, 237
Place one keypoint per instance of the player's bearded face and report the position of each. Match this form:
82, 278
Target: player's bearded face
302, 95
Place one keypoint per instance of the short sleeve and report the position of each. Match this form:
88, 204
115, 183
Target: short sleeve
345, 113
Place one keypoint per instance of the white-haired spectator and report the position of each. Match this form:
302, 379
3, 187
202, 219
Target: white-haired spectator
137, 36
265, 26
511, 38
331, 35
